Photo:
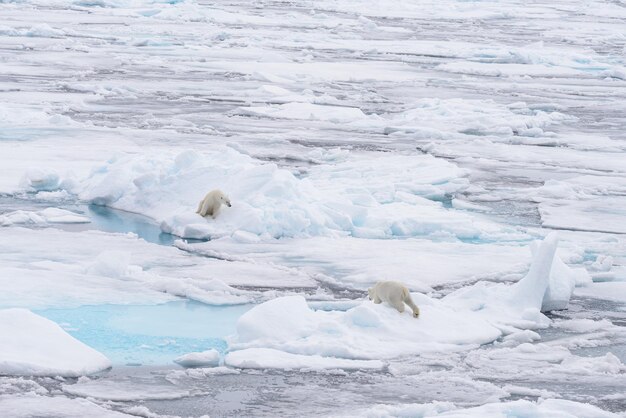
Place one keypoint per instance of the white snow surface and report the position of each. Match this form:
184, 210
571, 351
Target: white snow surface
35, 346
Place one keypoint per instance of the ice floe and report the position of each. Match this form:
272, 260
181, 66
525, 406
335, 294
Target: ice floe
42, 217
394, 196
207, 358
47, 268
268, 358
469, 317
35, 346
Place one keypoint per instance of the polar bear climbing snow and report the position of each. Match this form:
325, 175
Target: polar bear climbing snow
395, 294
212, 202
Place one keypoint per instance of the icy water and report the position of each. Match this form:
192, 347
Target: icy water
101, 218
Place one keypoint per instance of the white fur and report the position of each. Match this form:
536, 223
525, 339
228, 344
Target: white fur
395, 294
212, 202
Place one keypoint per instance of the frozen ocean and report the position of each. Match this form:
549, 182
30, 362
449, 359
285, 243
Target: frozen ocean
473, 150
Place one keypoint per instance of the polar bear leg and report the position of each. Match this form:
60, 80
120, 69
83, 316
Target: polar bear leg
377, 300
199, 210
207, 208
399, 305
214, 211
413, 306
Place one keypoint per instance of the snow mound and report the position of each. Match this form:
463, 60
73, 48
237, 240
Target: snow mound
39, 347
209, 358
469, 317
392, 196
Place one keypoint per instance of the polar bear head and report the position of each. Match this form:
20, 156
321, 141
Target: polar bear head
223, 199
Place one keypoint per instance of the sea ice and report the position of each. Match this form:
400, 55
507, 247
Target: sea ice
469, 317
544, 408
33, 345
45, 268
42, 217
209, 358
268, 358
32, 405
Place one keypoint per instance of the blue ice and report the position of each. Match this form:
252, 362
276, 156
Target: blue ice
151, 334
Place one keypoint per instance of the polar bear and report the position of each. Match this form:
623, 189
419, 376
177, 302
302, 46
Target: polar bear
395, 294
212, 202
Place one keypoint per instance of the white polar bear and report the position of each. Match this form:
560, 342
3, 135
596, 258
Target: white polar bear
395, 294
212, 202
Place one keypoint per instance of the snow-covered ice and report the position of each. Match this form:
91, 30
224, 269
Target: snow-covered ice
203, 359
543, 408
35, 346
471, 316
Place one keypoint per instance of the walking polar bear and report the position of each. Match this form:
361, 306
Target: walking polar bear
212, 202
395, 294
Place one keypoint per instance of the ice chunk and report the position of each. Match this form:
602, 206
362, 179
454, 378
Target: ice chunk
267, 358
42, 217
125, 390
38, 179
33, 345
530, 291
294, 110
563, 280
207, 358
613, 291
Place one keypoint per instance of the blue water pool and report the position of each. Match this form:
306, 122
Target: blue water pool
150, 334
111, 220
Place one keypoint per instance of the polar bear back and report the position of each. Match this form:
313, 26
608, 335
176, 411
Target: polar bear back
395, 294
390, 291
